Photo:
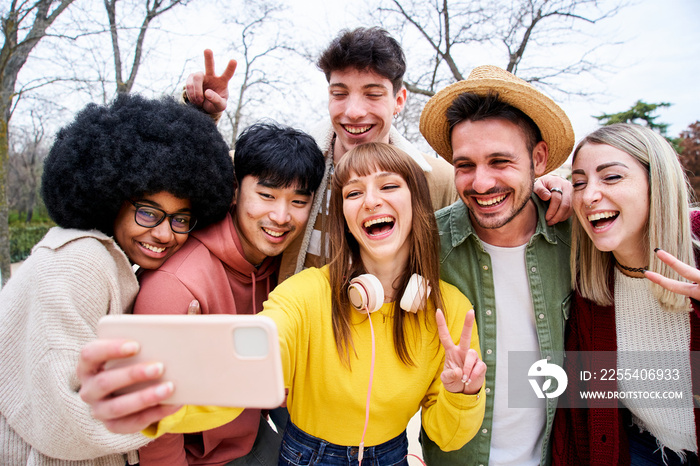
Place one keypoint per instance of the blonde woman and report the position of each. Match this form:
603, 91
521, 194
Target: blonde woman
631, 198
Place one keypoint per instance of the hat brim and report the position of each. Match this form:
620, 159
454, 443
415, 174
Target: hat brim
553, 123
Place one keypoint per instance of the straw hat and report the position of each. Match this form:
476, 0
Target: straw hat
553, 123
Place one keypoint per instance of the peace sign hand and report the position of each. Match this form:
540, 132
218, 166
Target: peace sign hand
206, 90
691, 290
464, 371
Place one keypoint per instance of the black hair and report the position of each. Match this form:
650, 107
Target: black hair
131, 148
473, 107
280, 155
365, 49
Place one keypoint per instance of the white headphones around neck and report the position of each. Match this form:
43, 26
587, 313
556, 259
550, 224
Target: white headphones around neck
366, 293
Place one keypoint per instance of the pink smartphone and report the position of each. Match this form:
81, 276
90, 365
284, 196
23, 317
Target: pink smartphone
219, 360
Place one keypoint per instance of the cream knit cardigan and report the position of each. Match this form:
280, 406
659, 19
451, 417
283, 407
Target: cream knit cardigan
48, 311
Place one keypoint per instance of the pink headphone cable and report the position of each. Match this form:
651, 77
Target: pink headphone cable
366, 291
369, 392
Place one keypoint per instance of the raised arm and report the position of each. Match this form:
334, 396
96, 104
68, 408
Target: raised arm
207, 90
464, 371
453, 408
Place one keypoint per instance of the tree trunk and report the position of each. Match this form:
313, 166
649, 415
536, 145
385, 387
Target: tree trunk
13, 56
4, 206
30, 206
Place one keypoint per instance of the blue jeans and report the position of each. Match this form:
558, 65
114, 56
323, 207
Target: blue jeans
645, 452
301, 449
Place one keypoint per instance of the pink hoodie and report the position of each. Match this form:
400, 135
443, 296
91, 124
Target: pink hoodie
210, 268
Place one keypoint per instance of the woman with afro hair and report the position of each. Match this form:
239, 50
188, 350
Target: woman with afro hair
125, 183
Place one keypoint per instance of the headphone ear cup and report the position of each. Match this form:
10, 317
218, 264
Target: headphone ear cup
366, 293
416, 293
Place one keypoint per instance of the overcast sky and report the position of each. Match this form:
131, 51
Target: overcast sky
658, 61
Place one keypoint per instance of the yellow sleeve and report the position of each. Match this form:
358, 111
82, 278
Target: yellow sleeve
192, 419
282, 306
453, 419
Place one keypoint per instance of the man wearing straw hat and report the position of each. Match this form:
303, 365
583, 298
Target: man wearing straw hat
500, 133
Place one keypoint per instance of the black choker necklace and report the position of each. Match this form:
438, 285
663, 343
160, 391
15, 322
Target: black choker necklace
633, 269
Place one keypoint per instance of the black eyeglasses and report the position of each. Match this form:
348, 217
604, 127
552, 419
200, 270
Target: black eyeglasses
149, 217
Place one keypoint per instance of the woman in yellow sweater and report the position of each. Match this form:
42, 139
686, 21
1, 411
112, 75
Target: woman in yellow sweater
425, 359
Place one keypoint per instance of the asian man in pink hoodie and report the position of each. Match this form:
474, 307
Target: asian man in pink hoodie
229, 268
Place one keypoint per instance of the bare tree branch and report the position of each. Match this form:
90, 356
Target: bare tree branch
446, 38
514, 25
154, 8
258, 49
13, 56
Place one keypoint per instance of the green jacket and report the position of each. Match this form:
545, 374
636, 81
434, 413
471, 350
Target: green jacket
465, 264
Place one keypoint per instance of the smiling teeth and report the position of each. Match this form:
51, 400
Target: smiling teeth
601, 215
491, 201
276, 234
374, 221
359, 130
152, 248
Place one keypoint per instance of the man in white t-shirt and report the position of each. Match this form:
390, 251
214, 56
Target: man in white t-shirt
500, 133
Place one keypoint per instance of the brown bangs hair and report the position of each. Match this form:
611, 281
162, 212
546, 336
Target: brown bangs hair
346, 264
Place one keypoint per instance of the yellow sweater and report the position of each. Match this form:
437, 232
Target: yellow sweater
327, 400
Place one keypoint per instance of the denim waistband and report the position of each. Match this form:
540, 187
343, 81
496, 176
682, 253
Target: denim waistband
323, 446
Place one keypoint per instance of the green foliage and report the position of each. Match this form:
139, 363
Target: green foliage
641, 112
39, 216
23, 237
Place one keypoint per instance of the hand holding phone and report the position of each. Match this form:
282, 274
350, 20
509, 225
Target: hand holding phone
221, 359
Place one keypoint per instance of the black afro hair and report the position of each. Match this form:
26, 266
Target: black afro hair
131, 148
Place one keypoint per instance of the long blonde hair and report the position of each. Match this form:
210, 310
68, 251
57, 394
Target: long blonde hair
669, 205
346, 264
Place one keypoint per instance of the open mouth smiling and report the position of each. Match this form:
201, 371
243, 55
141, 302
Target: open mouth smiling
490, 202
378, 226
600, 220
357, 129
150, 247
273, 233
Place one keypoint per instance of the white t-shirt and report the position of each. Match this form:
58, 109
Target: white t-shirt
516, 433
